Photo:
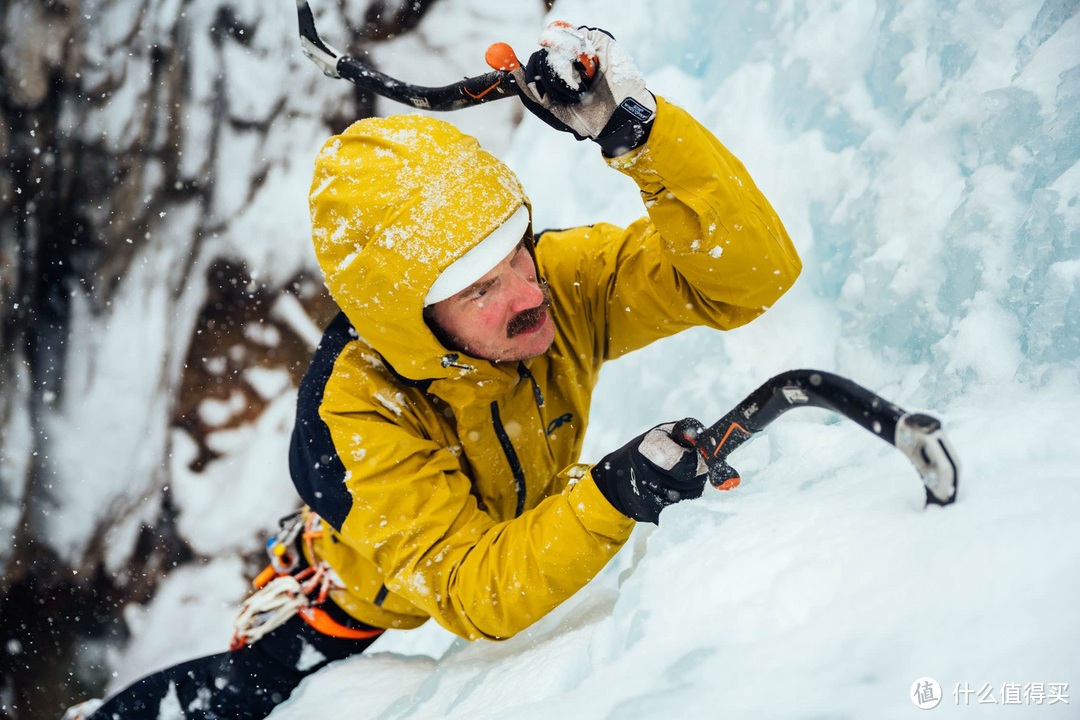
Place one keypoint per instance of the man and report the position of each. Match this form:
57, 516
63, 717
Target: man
439, 426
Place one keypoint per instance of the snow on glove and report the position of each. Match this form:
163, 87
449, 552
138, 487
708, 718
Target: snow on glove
583, 82
649, 473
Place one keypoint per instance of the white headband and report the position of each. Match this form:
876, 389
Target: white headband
476, 263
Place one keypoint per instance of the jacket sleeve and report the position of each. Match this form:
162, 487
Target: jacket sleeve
711, 251
413, 515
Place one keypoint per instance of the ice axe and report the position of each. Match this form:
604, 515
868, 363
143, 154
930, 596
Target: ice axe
918, 436
469, 92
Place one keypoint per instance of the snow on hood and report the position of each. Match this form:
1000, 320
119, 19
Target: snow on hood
394, 202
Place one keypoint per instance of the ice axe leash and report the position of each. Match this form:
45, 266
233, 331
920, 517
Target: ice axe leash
469, 92
918, 436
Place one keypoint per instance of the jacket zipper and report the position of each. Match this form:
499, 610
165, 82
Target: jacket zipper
511, 457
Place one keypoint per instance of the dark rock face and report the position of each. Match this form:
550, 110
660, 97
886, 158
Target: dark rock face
147, 146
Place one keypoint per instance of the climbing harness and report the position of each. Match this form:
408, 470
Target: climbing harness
284, 590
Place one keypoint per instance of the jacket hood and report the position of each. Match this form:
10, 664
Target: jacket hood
394, 202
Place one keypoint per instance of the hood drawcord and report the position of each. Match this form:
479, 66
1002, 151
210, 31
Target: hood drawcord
450, 361
523, 372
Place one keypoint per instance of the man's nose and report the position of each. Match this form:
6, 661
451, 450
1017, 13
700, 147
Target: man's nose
526, 292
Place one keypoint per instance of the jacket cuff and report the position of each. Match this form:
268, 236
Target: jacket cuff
595, 512
640, 163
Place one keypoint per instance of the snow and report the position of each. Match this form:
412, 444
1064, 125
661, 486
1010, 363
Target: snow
17, 432
393, 403
309, 657
262, 333
564, 47
233, 504
268, 383
170, 707
191, 615
287, 309
276, 208
110, 422
218, 412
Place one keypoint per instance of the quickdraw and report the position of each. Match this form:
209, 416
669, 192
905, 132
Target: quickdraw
282, 593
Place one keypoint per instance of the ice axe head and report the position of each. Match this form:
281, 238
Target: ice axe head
920, 438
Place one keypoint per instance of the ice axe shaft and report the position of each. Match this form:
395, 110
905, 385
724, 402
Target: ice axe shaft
469, 92
918, 436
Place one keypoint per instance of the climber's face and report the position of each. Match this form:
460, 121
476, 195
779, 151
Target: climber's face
504, 316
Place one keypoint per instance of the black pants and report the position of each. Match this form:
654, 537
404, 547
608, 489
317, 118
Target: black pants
245, 684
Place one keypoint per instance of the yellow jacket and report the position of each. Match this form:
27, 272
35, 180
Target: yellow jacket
451, 484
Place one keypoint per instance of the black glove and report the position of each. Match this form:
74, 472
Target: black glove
581, 82
649, 473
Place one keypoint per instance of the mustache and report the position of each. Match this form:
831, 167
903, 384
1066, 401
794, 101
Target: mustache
529, 318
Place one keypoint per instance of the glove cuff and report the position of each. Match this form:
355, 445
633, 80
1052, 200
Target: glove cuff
627, 129
602, 473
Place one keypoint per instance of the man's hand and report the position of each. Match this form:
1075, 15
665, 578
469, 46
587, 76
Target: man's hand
649, 473
582, 82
